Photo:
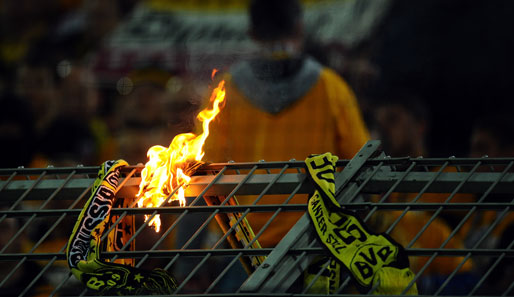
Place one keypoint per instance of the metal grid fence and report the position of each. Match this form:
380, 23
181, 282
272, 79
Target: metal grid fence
453, 216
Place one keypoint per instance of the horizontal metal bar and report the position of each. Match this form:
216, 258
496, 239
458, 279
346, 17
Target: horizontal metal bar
270, 165
261, 208
447, 181
45, 188
224, 186
50, 170
380, 182
292, 295
250, 252
388, 161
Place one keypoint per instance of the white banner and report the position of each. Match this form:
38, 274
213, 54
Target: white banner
192, 40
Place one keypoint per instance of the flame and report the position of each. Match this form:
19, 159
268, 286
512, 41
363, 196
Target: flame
165, 170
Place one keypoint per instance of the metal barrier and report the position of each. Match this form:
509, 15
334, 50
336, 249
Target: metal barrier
453, 216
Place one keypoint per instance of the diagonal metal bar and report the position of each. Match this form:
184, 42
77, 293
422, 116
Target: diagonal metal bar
300, 234
39, 242
120, 218
316, 277
369, 181
121, 184
41, 273
262, 230
193, 272
25, 193
374, 209
277, 212
181, 217
243, 215
418, 196
42, 240
508, 289
484, 236
457, 228
224, 272
204, 226
200, 196
363, 184
29, 221
8, 181
141, 228
212, 216
488, 272
350, 194
173, 226
432, 218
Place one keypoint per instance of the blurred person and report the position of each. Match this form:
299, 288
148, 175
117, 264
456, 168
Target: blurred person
492, 136
283, 104
401, 122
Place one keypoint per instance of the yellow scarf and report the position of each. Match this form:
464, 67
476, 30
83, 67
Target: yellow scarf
372, 259
83, 250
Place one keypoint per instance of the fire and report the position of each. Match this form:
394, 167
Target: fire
165, 170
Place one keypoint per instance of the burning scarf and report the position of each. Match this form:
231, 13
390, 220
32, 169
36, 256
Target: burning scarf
372, 259
83, 250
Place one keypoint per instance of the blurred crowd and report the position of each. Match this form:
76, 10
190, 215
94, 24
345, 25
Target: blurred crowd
55, 110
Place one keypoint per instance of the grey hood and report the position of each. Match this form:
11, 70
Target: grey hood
274, 85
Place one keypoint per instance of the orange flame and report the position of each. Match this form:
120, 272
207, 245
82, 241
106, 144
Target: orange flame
164, 171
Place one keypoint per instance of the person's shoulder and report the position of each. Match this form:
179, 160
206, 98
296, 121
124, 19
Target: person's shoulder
331, 75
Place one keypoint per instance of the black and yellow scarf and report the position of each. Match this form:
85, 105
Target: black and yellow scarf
83, 250
373, 260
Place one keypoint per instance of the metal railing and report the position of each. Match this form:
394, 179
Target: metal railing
453, 216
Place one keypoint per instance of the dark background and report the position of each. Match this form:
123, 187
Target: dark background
90, 96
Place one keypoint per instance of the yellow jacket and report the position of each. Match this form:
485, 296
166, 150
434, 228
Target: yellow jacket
326, 118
